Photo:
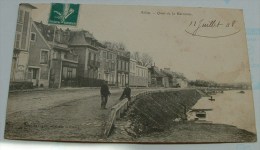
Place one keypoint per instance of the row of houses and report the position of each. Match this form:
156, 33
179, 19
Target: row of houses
48, 56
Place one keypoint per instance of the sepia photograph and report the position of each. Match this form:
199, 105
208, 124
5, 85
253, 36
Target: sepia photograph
130, 74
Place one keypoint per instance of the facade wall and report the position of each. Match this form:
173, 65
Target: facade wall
81, 52
138, 75
122, 72
42, 69
107, 69
20, 71
123, 64
91, 64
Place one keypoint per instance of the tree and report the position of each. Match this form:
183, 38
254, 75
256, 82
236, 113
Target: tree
114, 45
146, 60
136, 56
143, 59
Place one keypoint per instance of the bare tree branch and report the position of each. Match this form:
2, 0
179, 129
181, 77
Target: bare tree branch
143, 59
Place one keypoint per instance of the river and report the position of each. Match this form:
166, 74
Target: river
230, 119
231, 108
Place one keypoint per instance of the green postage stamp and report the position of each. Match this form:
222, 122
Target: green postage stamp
64, 14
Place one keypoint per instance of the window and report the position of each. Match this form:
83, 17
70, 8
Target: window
123, 65
109, 55
18, 40
19, 27
74, 73
109, 65
112, 78
113, 66
69, 73
34, 73
95, 57
20, 16
105, 54
25, 37
33, 36
64, 72
91, 56
55, 55
113, 56
119, 65
127, 66
44, 57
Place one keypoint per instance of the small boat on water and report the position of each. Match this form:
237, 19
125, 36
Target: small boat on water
211, 98
242, 92
198, 114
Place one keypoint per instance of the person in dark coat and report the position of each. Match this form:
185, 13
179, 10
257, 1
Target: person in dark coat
126, 93
104, 92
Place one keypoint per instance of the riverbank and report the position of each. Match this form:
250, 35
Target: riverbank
160, 117
186, 132
190, 132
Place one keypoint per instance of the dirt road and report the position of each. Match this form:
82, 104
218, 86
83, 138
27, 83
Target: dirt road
71, 114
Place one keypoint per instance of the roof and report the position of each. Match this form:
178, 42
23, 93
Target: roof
47, 31
133, 60
28, 5
58, 46
78, 38
140, 66
88, 35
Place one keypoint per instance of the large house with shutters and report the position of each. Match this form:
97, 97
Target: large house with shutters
86, 47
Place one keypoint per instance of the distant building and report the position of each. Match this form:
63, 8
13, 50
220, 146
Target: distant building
158, 78
123, 61
19, 69
138, 75
175, 79
107, 70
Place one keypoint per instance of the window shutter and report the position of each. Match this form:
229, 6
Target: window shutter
25, 30
20, 16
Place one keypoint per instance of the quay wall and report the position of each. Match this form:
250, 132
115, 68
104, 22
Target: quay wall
156, 111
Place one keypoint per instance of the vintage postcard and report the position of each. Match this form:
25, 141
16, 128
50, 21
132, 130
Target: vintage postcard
131, 74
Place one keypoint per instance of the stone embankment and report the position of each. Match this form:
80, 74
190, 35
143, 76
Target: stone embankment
156, 111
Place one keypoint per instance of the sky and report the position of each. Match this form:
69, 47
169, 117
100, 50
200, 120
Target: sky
163, 35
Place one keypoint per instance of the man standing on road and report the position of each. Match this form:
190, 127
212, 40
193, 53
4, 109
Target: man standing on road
126, 93
104, 91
